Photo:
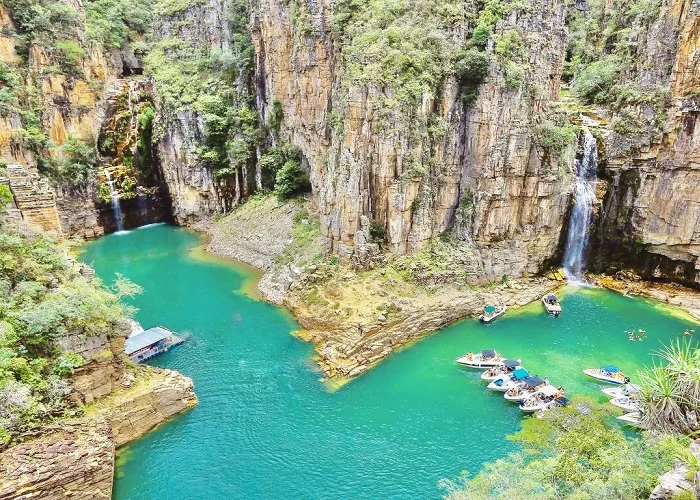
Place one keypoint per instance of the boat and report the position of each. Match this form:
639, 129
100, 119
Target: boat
500, 370
551, 304
621, 391
633, 419
492, 312
484, 359
540, 399
626, 403
525, 388
560, 401
608, 373
504, 383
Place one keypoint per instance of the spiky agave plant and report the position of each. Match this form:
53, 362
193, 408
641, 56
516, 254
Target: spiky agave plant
683, 364
663, 401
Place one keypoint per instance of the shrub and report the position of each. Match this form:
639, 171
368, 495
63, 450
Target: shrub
77, 161
471, 68
67, 362
291, 179
5, 196
593, 83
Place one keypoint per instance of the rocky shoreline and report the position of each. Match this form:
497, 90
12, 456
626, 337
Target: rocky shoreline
75, 458
353, 318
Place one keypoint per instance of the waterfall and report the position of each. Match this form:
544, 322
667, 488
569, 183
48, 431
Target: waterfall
582, 212
115, 202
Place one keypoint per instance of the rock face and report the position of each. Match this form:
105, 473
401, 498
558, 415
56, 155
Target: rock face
75, 461
34, 198
676, 481
651, 209
487, 181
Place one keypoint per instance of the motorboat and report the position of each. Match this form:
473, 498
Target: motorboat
527, 387
484, 359
491, 312
633, 419
551, 304
504, 383
540, 399
500, 370
609, 373
557, 402
626, 403
621, 391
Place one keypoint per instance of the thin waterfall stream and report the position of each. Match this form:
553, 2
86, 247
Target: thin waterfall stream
582, 211
114, 196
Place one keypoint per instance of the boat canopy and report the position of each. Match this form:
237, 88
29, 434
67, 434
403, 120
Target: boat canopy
511, 363
520, 374
562, 401
533, 381
611, 369
488, 354
632, 388
489, 309
549, 390
552, 297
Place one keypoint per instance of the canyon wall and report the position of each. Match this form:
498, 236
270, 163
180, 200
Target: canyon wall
650, 216
483, 178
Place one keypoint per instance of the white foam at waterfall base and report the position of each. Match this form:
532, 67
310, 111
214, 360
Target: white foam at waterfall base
582, 212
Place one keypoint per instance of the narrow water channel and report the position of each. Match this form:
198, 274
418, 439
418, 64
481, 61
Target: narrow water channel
267, 427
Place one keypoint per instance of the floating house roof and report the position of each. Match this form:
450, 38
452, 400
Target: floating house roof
145, 338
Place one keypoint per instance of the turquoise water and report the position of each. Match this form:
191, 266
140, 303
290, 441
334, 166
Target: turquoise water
267, 427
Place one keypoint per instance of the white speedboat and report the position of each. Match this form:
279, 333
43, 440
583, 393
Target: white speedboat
492, 312
608, 373
540, 399
559, 401
504, 383
626, 403
527, 387
551, 304
621, 391
483, 359
500, 370
633, 419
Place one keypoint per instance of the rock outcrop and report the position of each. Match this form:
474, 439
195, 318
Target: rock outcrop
651, 211
34, 198
486, 179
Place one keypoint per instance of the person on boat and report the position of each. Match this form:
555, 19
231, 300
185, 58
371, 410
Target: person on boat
470, 355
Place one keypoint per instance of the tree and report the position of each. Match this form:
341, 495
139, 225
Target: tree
5, 196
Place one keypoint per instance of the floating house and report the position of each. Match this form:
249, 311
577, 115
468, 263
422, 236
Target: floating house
144, 345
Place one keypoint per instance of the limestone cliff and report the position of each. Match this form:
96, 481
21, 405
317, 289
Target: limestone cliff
650, 213
483, 177
75, 458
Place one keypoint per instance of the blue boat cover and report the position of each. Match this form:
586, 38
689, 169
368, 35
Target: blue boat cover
511, 363
488, 354
533, 381
611, 369
489, 309
520, 374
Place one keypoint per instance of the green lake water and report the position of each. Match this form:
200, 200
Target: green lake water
267, 427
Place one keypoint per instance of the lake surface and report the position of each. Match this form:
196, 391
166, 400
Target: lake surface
267, 427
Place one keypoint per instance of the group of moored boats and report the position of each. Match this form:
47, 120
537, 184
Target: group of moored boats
491, 312
625, 396
532, 393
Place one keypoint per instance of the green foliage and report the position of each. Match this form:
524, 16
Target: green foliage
471, 68
42, 298
5, 196
404, 47
291, 179
273, 160
103, 193
114, 23
513, 58
377, 231
276, 116
571, 455
593, 83
67, 362
76, 161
